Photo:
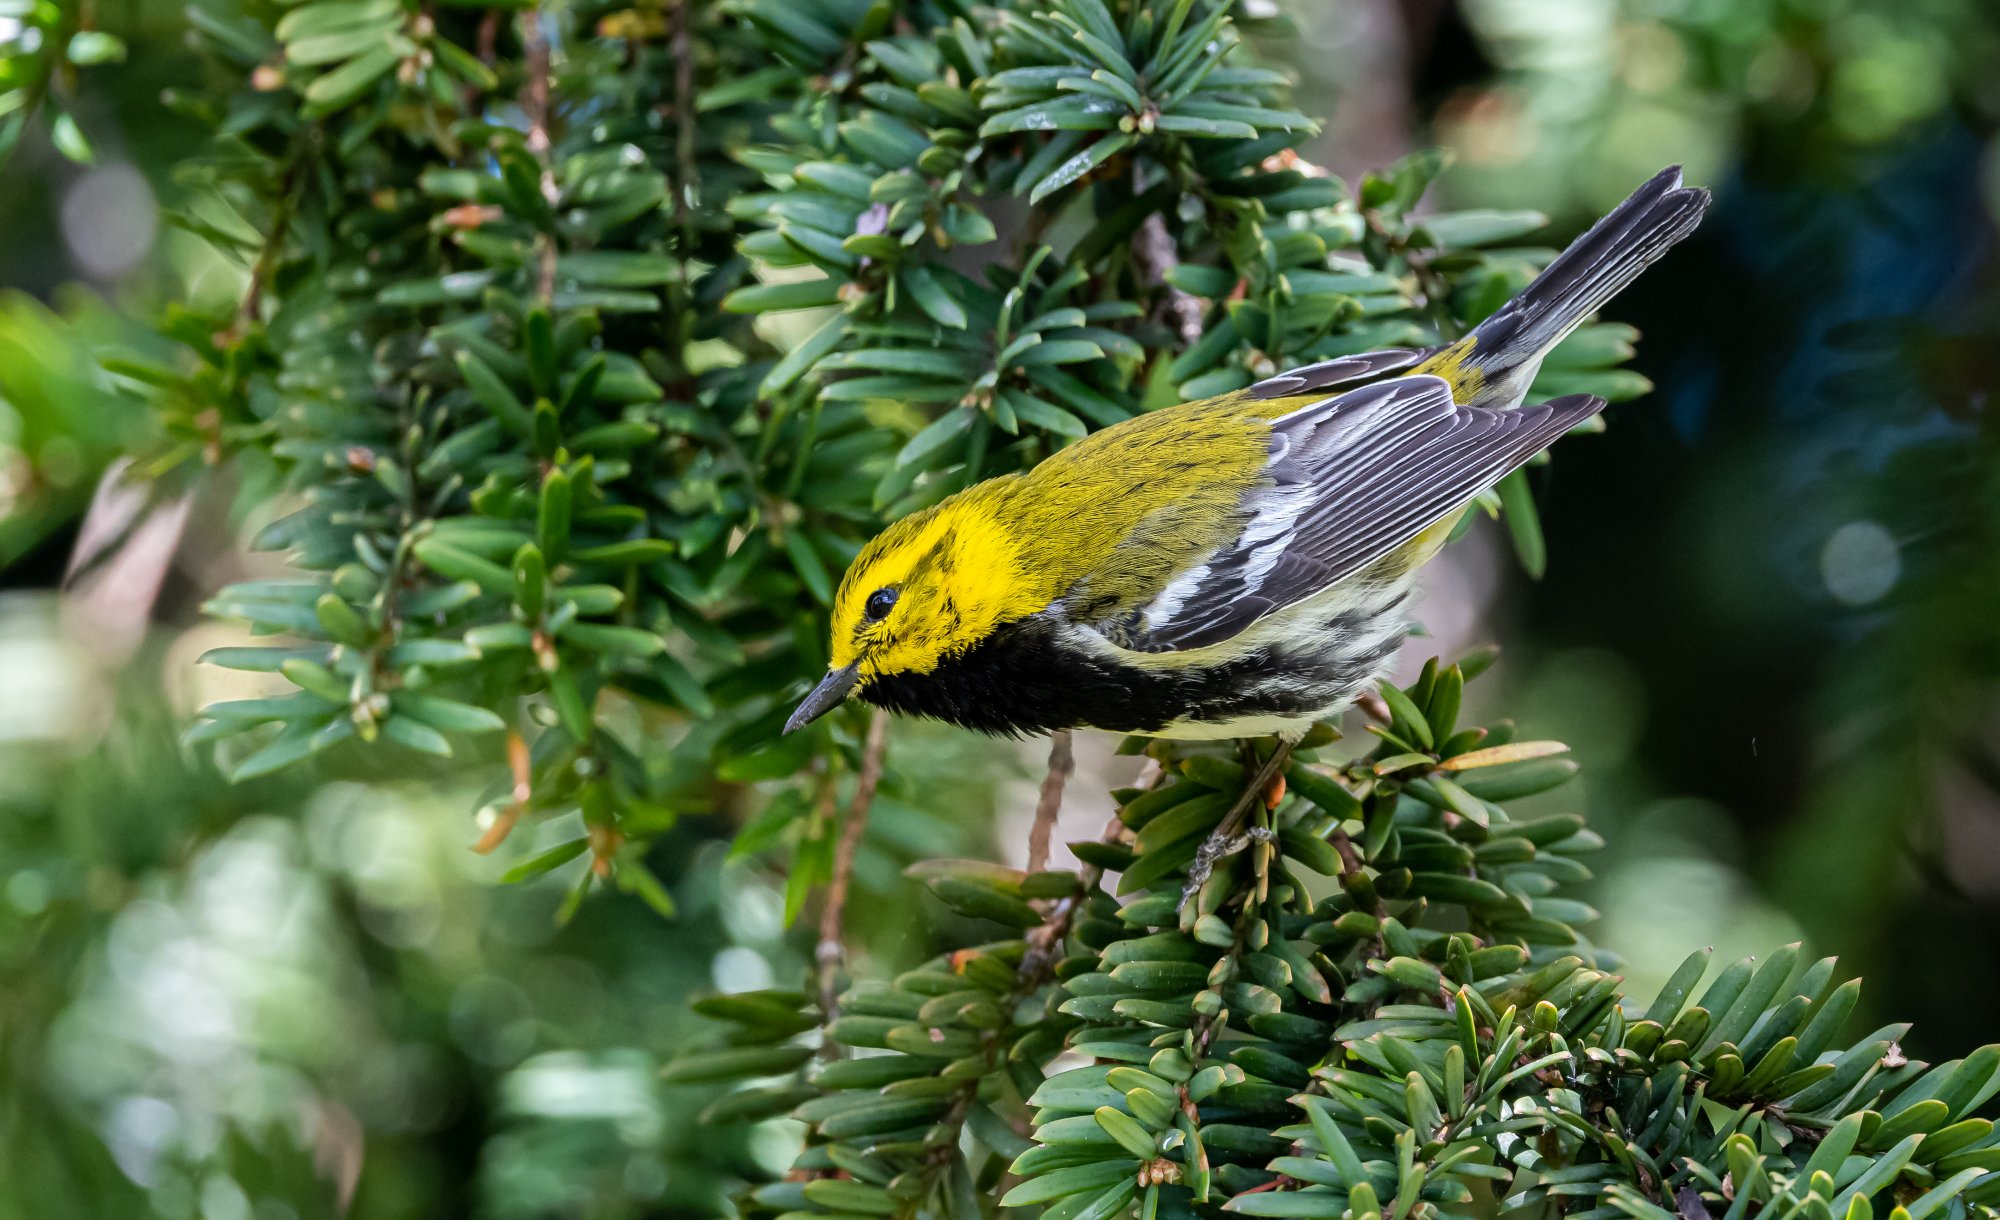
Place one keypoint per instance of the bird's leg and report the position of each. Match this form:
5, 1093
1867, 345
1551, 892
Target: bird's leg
1225, 841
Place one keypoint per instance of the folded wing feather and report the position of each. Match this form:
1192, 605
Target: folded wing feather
1350, 479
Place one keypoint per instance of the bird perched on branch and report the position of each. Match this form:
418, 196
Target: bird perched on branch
1226, 568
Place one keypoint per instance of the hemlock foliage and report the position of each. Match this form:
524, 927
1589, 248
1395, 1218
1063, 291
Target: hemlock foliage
597, 338
1381, 1008
592, 339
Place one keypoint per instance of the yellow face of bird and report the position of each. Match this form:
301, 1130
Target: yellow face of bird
930, 586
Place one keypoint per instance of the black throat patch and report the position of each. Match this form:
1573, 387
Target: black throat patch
1025, 679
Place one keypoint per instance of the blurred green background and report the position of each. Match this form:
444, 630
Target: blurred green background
1771, 629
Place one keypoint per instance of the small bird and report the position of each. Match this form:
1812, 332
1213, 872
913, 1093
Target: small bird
1233, 567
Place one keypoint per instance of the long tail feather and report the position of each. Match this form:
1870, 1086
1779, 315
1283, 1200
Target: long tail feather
1595, 268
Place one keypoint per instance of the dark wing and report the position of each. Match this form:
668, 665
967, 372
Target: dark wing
1349, 480
1341, 370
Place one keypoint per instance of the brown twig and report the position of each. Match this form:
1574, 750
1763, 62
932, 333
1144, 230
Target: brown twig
1154, 248
520, 765
1062, 763
487, 40
1045, 940
484, 48
1350, 856
1207, 1026
683, 182
680, 45
1155, 253
831, 953
273, 249
535, 105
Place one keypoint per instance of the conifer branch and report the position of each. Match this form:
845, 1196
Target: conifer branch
629, 499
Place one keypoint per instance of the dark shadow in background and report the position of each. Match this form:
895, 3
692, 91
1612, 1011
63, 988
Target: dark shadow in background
1825, 350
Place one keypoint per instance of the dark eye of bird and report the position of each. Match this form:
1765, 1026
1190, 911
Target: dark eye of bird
880, 602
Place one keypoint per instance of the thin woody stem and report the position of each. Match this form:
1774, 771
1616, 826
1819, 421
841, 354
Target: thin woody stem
489, 36
1046, 939
1062, 763
831, 953
681, 46
535, 105
1157, 255
251, 308
1208, 1026
1350, 855
1045, 943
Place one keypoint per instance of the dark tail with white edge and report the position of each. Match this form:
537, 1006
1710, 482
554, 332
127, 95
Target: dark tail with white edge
1595, 268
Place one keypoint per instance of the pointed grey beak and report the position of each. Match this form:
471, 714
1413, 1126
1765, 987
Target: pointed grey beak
833, 688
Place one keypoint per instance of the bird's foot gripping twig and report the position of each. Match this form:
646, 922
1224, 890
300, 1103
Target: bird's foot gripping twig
1228, 837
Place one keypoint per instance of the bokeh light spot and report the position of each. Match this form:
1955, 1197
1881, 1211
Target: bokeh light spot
223, 1199
109, 220
1591, 699
28, 892
139, 1131
740, 969
1860, 563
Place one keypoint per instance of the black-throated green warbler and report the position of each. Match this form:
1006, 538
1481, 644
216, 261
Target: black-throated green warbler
1231, 567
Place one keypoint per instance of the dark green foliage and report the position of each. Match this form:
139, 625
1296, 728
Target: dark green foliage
593, 340
1382, 1006
46, 43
